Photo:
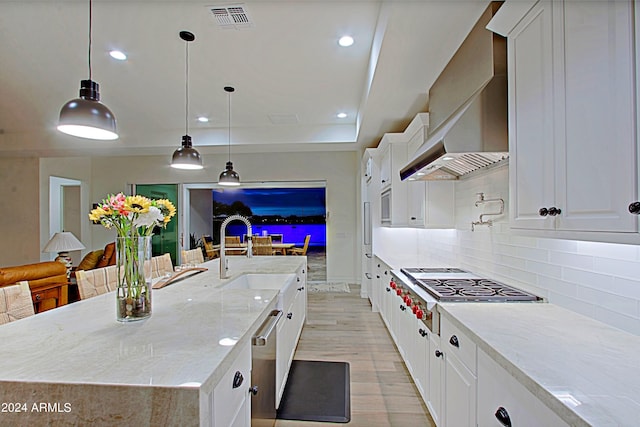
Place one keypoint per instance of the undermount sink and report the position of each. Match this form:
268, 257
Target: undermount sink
260, 281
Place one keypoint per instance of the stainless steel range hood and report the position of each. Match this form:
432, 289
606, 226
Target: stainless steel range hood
467, 110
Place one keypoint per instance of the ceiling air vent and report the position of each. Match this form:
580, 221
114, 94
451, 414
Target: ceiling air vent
231, 17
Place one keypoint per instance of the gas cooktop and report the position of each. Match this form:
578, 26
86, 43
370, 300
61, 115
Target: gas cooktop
456, 285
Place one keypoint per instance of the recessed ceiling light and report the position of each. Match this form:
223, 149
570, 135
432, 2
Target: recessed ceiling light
116, 54
203, 119
341, 115
345, 41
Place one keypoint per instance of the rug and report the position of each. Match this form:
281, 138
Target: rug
328, 287
317, 391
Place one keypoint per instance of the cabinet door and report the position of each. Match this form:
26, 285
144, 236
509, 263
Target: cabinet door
421, 359
498, 389
460, 393
416, 194
385, 168
436, 369
596, 170
531, 115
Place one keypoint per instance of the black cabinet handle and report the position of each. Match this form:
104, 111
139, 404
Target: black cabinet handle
503, 416
422, 332
553, 211
301, 288
402, 307
388, 289
297, 279
634, 208
253, 390
413, 218
237, 379
454, 341
438, 353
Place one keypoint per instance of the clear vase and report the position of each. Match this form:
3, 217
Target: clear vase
133, 295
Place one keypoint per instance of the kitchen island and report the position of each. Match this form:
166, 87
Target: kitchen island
76, 365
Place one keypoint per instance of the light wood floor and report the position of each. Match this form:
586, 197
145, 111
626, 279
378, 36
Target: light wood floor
341, 327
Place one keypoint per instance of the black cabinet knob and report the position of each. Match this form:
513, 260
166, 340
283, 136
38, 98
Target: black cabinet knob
253, 390
413, 218
388, 289
543, 212
503, 416
423, 332
454, 341
438, 353
297, 279
289, 315
634, 208
553, 211
402, 307
301, 288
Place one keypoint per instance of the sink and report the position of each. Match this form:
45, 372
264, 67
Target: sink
260, 281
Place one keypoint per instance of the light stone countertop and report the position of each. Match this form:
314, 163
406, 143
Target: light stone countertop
178, 347
556, 352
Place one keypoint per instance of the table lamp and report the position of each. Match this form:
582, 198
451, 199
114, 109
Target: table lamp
62, 243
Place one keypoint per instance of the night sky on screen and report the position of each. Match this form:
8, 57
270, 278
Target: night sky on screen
276, 201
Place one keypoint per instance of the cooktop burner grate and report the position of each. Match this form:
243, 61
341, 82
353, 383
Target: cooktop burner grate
455, 290
432, 270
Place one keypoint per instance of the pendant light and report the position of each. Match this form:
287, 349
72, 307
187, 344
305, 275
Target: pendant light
86, 116
186, 157
229, 177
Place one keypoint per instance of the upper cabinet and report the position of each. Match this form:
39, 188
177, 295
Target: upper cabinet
572, 106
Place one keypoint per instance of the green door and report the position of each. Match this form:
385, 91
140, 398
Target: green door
167, 239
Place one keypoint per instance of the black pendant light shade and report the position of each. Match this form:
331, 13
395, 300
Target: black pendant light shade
86, 116
229, 177
186, 157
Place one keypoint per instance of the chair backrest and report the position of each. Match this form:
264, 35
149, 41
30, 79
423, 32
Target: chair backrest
262, 245
161, 265
15, 302
192, 256
231, 241
208, 247
96, 282
306, 244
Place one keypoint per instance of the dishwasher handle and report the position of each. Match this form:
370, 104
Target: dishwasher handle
267, 328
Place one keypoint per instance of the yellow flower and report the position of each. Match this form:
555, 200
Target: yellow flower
167, 209
137, 204
97, 214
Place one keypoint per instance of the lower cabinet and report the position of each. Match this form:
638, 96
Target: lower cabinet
436, 374
289, 329
502, 400
231, 399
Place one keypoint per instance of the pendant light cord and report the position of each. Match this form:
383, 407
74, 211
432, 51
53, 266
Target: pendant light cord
90, 19
186, 117
229, 126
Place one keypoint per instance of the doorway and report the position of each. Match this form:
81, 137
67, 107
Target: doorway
165, 239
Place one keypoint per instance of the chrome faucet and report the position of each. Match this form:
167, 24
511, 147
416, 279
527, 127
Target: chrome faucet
224, 264
481, 201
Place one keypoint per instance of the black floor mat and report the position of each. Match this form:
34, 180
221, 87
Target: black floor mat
317, 391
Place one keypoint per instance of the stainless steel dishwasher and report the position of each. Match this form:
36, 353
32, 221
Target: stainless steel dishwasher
263, 372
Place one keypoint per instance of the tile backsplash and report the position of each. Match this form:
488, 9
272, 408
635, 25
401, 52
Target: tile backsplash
598, 280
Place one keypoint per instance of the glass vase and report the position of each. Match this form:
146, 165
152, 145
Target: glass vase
133, 294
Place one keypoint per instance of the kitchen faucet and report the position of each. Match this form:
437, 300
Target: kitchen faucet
224, 264
481, 201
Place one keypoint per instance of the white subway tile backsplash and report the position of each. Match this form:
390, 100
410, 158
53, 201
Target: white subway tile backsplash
574, 304
564, 259
558, 286
618, 267
544, 268
555, 245
618, 320
622, 305
609, 250
586, 278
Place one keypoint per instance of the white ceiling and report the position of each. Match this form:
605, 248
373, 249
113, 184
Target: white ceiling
286, 65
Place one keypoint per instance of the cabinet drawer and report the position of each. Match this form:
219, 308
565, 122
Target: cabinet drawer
227, 399
40, 296
457, 342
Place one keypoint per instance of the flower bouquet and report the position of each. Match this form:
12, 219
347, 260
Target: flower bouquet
134, 218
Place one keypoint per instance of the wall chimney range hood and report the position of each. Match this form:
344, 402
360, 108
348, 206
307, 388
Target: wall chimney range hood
467, 110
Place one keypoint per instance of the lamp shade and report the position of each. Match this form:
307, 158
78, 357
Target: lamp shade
86, 116
229, 177
186, 157
63, 241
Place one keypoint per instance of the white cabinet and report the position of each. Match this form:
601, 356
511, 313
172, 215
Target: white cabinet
571, 118
436, 375
393, 156
231, 399
431, 204
500, 396
420, 357
289, 329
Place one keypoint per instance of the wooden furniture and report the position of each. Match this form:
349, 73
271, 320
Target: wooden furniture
212, 252
282, 248
301, 251
262, 245
184, 272
161, 266
47, 280
15, 302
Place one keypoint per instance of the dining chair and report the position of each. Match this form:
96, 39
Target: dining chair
303, 250
96, 282
15, 302
262, 245
192, 256
212, 253
161, 265
232, 241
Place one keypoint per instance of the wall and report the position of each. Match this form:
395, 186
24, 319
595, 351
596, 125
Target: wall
19, 207
201, 211
599, 280
105, 175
